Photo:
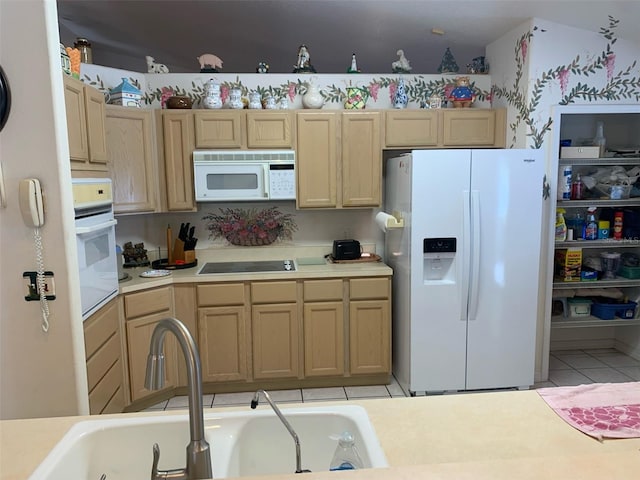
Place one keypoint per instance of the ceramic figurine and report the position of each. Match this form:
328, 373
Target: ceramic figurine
209, 63
400, 99
462, 95
448, 63
312, 98
435, 101
263, 67
235, 99
477, 66
255, 100
402, 64
303, 64
212, 98
153, 67
125, 95
354, 65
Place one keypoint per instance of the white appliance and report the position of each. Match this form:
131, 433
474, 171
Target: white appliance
96, 242
238, 175
466, 267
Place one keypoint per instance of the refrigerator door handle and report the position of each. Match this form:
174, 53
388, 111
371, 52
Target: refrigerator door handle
466, 251
475, 254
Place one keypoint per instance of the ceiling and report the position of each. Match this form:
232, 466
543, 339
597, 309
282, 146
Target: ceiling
245, 32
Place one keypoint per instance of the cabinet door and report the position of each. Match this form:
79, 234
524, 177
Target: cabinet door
369, 337
223, 343
178, 150
75, 105
132, 165
274, 331
411, 128
468, 127
316, 159
323, 339
269, 129
95, 112
361, 159
219, 129
139, 333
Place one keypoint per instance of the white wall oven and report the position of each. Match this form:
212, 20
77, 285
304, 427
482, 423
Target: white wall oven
96, 241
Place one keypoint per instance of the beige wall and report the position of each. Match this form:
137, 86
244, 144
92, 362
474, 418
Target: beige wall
41, 374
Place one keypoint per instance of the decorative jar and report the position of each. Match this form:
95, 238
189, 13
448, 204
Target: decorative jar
212, 97
235, 98
255, 100
356, 98
312, 98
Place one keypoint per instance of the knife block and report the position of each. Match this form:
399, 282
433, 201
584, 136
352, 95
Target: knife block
179, 253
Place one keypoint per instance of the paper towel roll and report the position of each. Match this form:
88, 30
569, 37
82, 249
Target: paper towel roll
383, 220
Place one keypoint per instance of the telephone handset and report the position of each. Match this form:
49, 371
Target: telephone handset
31, 204
32, 209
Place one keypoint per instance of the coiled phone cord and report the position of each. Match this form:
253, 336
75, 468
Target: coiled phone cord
40, 282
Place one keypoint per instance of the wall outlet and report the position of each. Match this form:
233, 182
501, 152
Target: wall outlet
32, 292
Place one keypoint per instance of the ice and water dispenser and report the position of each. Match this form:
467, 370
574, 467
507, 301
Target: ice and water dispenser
439, 256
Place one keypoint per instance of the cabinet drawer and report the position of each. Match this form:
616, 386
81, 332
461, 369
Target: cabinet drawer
273, 292
216, 295
102, 361
321, 290
362, 288
100, 327
104, 392
147, 302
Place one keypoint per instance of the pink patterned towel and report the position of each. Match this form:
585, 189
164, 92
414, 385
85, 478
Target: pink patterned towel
602, 410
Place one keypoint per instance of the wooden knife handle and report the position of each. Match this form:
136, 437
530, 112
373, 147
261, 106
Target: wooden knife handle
169, 245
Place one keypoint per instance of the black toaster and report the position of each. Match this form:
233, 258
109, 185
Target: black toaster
346, 250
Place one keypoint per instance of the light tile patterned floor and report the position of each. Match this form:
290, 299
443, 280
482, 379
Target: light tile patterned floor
566, 368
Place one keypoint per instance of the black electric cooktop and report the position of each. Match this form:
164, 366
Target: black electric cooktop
248, 267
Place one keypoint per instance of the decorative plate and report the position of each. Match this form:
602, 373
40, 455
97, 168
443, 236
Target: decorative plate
155, 273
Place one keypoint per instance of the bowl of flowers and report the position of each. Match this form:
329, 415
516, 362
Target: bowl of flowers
250, 227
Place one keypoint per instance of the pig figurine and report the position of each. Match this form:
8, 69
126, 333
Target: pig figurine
209, 62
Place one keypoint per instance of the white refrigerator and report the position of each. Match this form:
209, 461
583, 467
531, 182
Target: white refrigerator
466, 267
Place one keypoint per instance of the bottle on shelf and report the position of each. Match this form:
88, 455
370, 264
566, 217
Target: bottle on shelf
617, 225
346, 456
599, 139
576, 225
591, 225
565, 185
577, 188
561, 225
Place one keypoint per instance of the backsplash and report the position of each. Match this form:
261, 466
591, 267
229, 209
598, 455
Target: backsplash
317, 227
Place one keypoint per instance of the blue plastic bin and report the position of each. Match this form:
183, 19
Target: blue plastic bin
608, 311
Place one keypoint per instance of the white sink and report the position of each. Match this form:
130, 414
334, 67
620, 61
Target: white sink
242, 443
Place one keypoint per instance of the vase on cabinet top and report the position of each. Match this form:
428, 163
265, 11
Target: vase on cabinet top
312, 98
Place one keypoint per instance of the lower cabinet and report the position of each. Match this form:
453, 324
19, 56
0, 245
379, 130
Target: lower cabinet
143, 310
103, 348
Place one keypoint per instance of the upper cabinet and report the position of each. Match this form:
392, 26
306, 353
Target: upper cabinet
445, 128
85, 108
339, 159
230, 129
132, 159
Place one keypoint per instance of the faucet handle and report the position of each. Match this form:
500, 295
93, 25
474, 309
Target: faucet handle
173, 474
156, 459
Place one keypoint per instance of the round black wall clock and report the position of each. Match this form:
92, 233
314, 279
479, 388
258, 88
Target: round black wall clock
5, 99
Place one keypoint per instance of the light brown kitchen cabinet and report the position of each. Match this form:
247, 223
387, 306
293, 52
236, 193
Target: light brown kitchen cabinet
361, 155
317, 159
103, 350
222, 332
85, 108
185, 309
132, 159
473, 127
369, 326
323, 328
178, 146
275, 330
143, 310
411, 128
236, 129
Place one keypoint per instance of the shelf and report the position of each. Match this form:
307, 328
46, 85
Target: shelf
600, 161
590, 321
618, 282
596, 202
608, 243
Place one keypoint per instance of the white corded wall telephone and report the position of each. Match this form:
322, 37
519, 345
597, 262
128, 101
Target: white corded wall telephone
32, 209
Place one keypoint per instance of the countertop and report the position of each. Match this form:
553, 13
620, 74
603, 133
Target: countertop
299, 254
496, 435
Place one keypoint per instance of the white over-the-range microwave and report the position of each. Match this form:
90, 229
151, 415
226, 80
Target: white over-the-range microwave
244, 175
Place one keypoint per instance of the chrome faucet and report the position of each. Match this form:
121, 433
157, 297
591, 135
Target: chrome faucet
254, 404
198, 451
